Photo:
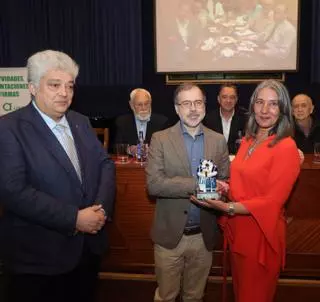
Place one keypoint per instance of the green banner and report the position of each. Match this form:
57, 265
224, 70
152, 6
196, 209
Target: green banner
14, 92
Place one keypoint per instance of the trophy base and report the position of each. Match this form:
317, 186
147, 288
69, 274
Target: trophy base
207, 195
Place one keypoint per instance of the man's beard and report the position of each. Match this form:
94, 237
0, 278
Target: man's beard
144, 117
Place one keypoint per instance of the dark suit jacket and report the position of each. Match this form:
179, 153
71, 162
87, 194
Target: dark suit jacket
126, 129
41, 193
306, 143
169, 179
213, 121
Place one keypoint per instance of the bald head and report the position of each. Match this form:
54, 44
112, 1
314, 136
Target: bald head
302, 106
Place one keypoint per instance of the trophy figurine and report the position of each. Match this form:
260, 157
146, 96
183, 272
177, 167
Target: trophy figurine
206, 177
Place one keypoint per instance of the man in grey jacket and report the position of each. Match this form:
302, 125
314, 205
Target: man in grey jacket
183, 234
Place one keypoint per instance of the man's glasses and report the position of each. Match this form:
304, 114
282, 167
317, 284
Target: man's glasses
189, 104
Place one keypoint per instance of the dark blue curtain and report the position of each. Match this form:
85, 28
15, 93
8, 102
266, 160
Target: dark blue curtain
315, 55
103, 36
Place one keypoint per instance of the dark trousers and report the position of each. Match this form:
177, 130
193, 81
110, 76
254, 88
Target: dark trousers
78, 285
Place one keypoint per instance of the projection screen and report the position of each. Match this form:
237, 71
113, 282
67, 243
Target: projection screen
226, 35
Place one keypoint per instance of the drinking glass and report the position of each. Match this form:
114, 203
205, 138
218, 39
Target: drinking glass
122, 153
316, 153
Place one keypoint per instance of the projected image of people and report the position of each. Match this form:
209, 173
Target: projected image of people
226, 35
184, 32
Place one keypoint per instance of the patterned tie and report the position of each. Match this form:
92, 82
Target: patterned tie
69, 146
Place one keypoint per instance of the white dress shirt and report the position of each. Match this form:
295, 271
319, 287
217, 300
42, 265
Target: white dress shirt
226, 125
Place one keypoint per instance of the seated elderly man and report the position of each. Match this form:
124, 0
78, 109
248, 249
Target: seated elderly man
127, 127
307, 128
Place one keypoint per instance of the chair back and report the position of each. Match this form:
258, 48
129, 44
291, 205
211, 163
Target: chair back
103, 135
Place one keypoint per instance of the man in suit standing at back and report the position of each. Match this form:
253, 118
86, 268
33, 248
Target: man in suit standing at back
226, 119
183, 233
56, 189
127, 127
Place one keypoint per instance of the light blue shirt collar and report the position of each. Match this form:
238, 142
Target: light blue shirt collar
184, 130
142, 126
49, 121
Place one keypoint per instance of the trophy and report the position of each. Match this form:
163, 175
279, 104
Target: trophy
207, 183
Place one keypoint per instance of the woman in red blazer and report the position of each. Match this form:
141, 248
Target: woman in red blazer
261, 178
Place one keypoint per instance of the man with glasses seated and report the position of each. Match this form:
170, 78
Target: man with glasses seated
127, 127
183, 233
227, 120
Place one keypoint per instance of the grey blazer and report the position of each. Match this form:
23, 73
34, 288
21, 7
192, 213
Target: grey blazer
169, 179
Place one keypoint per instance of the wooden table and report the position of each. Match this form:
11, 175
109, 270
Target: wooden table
132, 250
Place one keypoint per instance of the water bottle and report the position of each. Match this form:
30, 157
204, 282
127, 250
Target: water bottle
140, 147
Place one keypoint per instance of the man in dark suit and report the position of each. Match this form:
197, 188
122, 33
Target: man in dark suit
183, 234
307, 127
56, 189
127, 127
226, 119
